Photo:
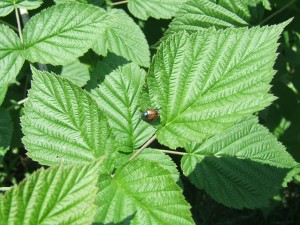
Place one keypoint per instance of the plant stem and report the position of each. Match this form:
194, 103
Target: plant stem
143, 147
18, 103
119, 3
8, 24
172, 152
277, 12
19, 24
22, 101
25, 17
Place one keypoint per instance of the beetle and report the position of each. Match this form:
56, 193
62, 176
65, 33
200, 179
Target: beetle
149, 115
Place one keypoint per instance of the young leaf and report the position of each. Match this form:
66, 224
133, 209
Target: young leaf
59, 195
10, 59
118, 96
143, 192
159, 9
6, 128
244, 166
62, 33
7, 6
207, 81
62, 123
120, 35
76, 72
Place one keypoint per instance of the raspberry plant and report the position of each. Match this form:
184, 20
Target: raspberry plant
209, 76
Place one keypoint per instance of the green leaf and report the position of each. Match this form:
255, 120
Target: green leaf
59, 195
7, 6
76, 72
28, 4
62, 123
120, 35
159, 9
68, 31
6, 129
244, 166
267, 4
195, 15
163, 160
3, 90
103, 68
11, 60
207, 81
94, 2
143, 192
118, 96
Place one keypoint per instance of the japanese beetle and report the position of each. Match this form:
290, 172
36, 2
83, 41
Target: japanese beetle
149, 115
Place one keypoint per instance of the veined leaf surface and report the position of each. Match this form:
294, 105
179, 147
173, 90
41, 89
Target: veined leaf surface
11, 60
121, 35
163, 160
59, 195
159, 9
207, 81
195, 15
62, 123
7, 6
233, 166
62, 33
118, 96
143, 193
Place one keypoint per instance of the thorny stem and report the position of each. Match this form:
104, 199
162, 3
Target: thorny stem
277, 12
119, 3
19, 24
143, 147
173, 152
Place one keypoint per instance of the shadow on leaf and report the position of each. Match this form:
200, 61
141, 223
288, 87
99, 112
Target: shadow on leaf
238, 183
126, 221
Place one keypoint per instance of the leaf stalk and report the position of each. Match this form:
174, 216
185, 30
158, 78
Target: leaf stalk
119, 3
172, 152
19, 24
143, 147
